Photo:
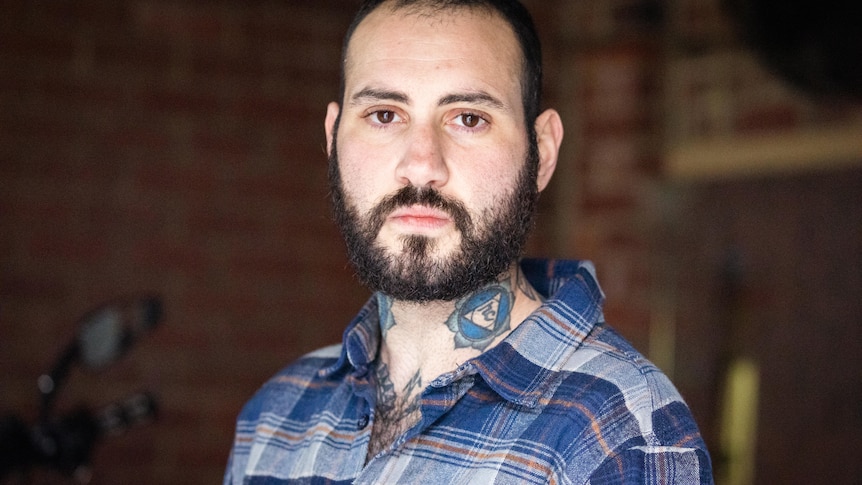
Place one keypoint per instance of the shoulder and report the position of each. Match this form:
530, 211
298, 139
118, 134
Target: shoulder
636, 414
309, 367
285, 394
606, 356
282, 390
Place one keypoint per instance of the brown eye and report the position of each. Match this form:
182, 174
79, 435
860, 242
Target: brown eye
385, 117
470, 120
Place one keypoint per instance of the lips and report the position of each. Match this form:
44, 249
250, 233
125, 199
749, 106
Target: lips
420, 217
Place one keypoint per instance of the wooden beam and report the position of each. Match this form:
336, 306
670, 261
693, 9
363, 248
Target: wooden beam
766, 154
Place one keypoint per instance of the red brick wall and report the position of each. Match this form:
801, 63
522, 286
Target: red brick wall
177, 148
605, 77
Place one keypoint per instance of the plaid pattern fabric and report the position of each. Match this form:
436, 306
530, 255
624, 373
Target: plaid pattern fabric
563, 399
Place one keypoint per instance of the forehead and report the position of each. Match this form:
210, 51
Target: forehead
464, 41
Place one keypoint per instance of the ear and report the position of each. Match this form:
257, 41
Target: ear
332, 111
549, 135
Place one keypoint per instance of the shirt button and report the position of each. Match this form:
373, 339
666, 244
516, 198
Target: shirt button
363, 421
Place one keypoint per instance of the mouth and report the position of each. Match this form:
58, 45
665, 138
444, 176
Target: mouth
420, 218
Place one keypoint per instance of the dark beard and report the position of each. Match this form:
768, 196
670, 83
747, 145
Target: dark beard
488, 246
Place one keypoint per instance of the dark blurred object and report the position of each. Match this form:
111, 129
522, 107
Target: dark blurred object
65, 443
104, 335
814, 44
14, 444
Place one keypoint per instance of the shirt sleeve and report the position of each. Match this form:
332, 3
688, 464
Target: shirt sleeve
655, 464
228, 473
671, 451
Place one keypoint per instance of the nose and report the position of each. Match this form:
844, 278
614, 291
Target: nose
423, 163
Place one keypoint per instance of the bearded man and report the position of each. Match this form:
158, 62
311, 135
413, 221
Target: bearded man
467, 365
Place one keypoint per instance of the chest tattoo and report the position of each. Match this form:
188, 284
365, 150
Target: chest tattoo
397, 409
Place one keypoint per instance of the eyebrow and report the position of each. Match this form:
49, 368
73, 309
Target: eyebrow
478, 97
371, 94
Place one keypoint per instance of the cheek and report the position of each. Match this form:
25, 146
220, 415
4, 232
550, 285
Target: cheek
361, 178
485, 184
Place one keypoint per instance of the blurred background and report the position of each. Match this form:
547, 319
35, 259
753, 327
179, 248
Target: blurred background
712, 169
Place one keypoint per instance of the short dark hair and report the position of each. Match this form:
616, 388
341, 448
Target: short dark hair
512, 11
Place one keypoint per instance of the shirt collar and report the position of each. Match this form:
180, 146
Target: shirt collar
521, 368
360, 341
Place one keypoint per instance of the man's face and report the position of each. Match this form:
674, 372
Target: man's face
434, 178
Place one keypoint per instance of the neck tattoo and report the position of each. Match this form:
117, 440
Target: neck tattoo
479, 318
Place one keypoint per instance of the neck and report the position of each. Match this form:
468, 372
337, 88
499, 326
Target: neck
422, 341
436, 337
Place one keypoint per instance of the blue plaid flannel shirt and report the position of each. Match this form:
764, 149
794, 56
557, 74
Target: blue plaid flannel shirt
563, 399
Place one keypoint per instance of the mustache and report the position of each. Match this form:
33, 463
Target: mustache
411, 195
